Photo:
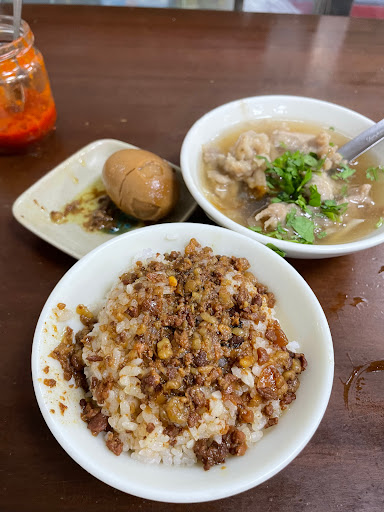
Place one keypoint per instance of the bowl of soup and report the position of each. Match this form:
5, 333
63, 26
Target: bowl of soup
269, 167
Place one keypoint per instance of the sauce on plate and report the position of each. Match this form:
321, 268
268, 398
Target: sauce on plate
94, 211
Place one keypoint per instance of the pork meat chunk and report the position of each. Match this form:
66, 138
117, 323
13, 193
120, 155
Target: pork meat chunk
360, 195
326, 186
241, 164
273, 214
307, 143
293, 141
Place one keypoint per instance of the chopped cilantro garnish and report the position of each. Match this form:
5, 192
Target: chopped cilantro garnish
289, 173
280, 233
277, 250
302, 235
379, 223
332, 128
283, 145
344, 191
303, 226
307, 177
372, 173
280, 228
256, 229
331, 144
301, 201
283, 196
311, 159
290, 216
286, 178
333, 210
315, 197
261, 157
344, 173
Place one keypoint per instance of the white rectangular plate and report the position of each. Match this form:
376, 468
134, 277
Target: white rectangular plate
61, 185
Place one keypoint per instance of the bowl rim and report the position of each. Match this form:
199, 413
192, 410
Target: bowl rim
303, 250
145, 491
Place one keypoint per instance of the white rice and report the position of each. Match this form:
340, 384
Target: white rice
126, 395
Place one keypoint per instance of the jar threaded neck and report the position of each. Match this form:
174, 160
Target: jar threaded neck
10, 48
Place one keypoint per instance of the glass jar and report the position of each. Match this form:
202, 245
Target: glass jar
27, 108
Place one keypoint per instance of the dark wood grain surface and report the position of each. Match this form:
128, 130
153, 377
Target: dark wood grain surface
144, 76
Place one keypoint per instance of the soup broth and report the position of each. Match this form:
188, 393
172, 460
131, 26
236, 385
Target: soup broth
241, 202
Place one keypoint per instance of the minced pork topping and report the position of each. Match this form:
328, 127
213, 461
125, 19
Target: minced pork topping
185, 362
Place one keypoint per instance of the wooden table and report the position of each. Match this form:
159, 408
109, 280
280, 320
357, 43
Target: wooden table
144, 76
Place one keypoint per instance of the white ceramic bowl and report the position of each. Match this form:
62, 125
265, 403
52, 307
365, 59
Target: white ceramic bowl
302, 319
297, 108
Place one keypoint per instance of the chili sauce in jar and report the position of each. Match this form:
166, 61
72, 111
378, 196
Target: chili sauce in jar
27, 108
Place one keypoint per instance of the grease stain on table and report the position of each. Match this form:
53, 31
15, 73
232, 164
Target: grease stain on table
357, 377
341, 301
357, 300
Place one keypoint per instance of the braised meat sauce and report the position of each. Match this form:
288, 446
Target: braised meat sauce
190, 339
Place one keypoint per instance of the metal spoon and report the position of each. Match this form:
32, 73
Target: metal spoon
17, 5
362, 142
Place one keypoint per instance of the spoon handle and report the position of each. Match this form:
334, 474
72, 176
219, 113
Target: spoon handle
17, 5
362, 142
